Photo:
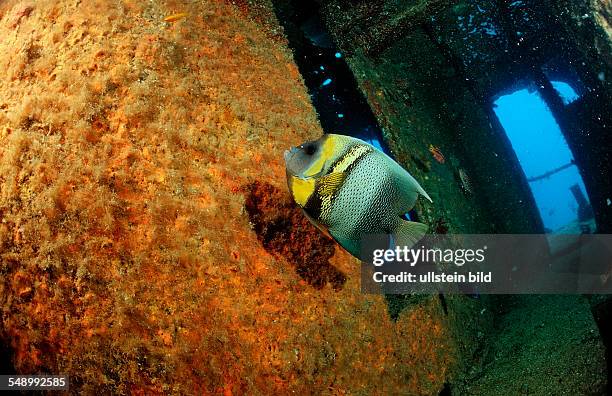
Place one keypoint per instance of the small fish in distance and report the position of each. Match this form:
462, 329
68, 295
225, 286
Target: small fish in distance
436, 153
176, 17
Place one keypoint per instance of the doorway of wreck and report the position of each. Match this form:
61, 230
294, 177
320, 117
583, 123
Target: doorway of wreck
545, 157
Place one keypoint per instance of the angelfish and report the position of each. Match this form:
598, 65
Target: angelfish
349, 189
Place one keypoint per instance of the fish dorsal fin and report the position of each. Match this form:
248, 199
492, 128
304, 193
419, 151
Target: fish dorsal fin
408, 233
329, 184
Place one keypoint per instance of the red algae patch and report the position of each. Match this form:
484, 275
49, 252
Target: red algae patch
127, 255
283, 230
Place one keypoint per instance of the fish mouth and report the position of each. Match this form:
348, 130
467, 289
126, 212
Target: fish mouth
290, 166
289, 154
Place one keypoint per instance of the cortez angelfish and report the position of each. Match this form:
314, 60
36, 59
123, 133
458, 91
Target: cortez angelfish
349, 189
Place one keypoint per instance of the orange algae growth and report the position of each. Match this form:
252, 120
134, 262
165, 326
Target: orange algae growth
142, 201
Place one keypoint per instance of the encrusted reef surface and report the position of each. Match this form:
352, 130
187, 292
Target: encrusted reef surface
147, 243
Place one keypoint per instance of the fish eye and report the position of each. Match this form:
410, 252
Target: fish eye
309, 148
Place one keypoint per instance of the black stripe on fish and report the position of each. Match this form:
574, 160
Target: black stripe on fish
314, 205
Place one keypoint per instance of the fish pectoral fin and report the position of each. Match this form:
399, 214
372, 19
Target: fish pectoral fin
408, 233
329, 184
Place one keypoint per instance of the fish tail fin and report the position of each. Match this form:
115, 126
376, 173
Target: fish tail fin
408, 233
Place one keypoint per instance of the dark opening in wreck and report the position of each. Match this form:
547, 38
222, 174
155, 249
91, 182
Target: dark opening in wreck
340, 105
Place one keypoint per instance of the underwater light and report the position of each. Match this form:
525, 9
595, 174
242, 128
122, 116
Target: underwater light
543, 153
566, 92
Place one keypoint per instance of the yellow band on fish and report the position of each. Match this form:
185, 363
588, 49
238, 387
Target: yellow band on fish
327, 152
302, 189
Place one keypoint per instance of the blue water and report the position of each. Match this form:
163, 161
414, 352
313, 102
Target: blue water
567, 93
540, 147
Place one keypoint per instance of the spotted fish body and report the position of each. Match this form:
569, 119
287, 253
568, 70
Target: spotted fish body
350, 189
